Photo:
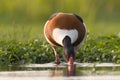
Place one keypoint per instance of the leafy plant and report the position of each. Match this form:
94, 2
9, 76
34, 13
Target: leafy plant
95, 49
101, 49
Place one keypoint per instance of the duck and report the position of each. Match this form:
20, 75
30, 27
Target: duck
66, 30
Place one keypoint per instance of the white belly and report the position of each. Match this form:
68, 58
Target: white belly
59, 34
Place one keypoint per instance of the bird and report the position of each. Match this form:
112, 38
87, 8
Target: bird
66, 30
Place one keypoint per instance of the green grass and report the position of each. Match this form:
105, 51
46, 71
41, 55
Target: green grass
103, 28
30, 31
21, 31
25, 43
96, 49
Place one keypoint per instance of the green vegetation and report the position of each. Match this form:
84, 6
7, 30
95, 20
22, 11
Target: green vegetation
20, 32
17, 52
25, 19
101, 49
96, 49
22, 22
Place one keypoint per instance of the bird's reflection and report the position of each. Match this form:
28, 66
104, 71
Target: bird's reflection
69, 70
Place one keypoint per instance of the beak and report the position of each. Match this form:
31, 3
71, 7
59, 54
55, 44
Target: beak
70, 61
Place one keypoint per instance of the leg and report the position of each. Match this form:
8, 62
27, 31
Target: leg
57, 60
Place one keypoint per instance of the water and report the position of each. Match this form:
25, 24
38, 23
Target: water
50, 71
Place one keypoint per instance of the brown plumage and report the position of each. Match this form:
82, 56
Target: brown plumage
65, 21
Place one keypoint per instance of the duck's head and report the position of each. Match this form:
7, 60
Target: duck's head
68, 50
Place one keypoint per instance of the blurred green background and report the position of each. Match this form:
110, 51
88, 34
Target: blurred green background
25, 19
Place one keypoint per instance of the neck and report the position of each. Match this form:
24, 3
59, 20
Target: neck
67, 42
68, 48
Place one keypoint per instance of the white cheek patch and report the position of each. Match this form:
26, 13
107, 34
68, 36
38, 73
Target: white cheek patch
59, 34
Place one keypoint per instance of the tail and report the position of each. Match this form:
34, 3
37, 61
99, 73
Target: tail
68, 50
